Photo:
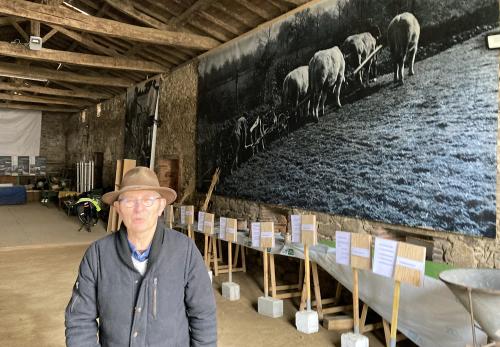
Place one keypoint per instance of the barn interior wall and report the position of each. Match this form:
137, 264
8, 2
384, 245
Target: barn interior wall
53, 141
177, 136
97, 133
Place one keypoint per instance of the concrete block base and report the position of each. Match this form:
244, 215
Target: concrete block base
267, 306
231, 291
307, 322
354, 340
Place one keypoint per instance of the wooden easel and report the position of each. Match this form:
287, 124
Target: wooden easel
215, 248
208, 240
287, 291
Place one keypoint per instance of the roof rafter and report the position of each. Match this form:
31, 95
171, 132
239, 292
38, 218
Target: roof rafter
58, 16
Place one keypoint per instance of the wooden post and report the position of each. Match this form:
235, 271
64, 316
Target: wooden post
207, 260
308, 277
266, 274
395, 310
230, 260
190, 230
355, 300
273, 276
215, 256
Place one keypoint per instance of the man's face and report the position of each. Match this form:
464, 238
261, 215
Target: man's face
140, 210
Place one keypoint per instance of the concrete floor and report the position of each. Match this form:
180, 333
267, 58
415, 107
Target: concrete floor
37, 280
33, 224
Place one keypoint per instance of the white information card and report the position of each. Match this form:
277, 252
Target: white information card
256, 234
384, 257
343, 247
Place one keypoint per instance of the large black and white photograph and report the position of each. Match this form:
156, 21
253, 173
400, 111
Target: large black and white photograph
139, 120
384, 110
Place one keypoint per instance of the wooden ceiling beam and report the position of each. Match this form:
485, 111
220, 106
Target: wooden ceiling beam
56, 16
199, 5
9, 20
233, 14
53, 91
219, 23
297, 2
277, 3
48, 35
126, 7
43, 100
27, 72
38, 108
259, 11
90, 60
85, 41
21, 31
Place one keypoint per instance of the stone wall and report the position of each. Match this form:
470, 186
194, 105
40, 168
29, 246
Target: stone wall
97, 133
53, 141
462, 251
177, 134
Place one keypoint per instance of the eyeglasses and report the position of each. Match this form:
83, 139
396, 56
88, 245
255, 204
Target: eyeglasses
148, 202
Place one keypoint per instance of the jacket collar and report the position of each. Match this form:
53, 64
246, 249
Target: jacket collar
124, 250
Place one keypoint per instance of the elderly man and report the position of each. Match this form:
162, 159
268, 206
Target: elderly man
147, 285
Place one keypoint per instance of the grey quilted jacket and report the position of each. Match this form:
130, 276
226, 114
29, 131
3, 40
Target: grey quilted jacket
172, 305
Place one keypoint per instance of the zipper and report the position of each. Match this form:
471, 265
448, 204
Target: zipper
76, 297
155, 282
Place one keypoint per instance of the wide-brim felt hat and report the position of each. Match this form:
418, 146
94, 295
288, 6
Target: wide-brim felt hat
140, 178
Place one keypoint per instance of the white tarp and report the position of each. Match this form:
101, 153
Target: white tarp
430, 316
20, 132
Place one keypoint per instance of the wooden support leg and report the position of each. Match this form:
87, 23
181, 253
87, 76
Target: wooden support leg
362, 321
236, 253
387, 332
214, 257
205, 253
243, 259
303, 296
273, 276
317, 291
220, 251
301, 273
338, 293
266, 275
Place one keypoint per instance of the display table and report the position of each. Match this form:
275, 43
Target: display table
429, 316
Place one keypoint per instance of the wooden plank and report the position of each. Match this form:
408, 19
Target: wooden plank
9, 20
126, 7
337, 309
338, 323
85, 41
35, 28
21, 31
43, 100
259, 11
47, 36
273, 276
27, 72
55, 15
53, 91
198, 5
297, 2
81, 59
38, 107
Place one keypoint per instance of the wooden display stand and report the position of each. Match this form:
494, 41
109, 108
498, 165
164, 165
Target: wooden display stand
122, 167
215, 249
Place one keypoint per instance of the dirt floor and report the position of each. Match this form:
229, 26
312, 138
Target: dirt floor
34, 224
37, 286
40, 251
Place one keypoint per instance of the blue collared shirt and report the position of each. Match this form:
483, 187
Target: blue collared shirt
138, 255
